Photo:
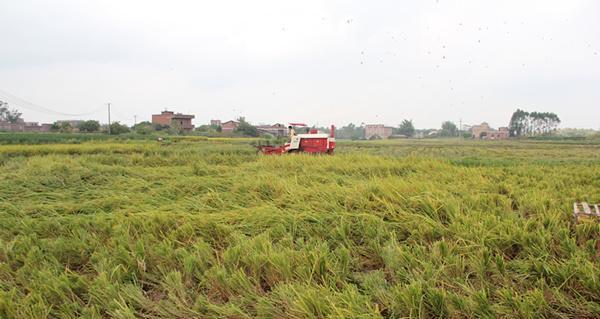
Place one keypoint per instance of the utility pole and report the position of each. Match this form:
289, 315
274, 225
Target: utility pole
108, 118
134, 120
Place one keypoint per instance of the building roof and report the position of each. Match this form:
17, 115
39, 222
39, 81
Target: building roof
182, 116
175, 115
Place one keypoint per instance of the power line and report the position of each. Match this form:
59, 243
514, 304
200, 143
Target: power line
36, 108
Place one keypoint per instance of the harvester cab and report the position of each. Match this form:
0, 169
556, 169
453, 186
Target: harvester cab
313, 142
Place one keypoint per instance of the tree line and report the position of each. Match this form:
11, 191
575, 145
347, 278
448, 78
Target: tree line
89, 126
524, 123
521, 124
8, 115
406, 128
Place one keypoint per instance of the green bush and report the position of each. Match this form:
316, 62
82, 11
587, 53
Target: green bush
117, 128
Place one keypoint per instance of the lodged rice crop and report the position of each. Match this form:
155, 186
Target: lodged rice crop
203, 228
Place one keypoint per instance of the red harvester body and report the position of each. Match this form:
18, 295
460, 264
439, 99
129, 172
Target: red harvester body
313, 142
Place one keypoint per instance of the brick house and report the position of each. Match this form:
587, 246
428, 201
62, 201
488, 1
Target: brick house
170, 118
45, 127
501, 134
22, 126
485, 132
229, 126
377, 131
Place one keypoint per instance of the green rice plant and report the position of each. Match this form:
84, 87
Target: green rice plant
207, 228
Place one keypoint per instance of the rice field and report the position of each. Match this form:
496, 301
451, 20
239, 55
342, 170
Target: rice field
204, 228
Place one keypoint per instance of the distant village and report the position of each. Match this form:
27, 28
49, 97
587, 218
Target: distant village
178, 123
482, 131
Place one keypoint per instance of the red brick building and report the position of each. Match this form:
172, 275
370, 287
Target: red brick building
170, 118
229, 126
501, 134
22, 126
485, 132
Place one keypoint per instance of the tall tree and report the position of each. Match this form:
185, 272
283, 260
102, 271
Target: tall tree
535, 123
449, 129
406, 128
89, 126
117, 128
8, 115
350, 132
143, 128
245, 128
518, 123
62, 127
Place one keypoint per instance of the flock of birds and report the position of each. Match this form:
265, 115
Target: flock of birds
363, 57
443, 57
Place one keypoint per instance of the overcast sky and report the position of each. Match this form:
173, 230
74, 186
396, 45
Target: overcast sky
319, 62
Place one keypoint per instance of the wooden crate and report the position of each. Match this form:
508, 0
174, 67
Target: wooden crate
585, 210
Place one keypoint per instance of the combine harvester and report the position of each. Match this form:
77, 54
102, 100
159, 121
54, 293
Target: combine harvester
312, 143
